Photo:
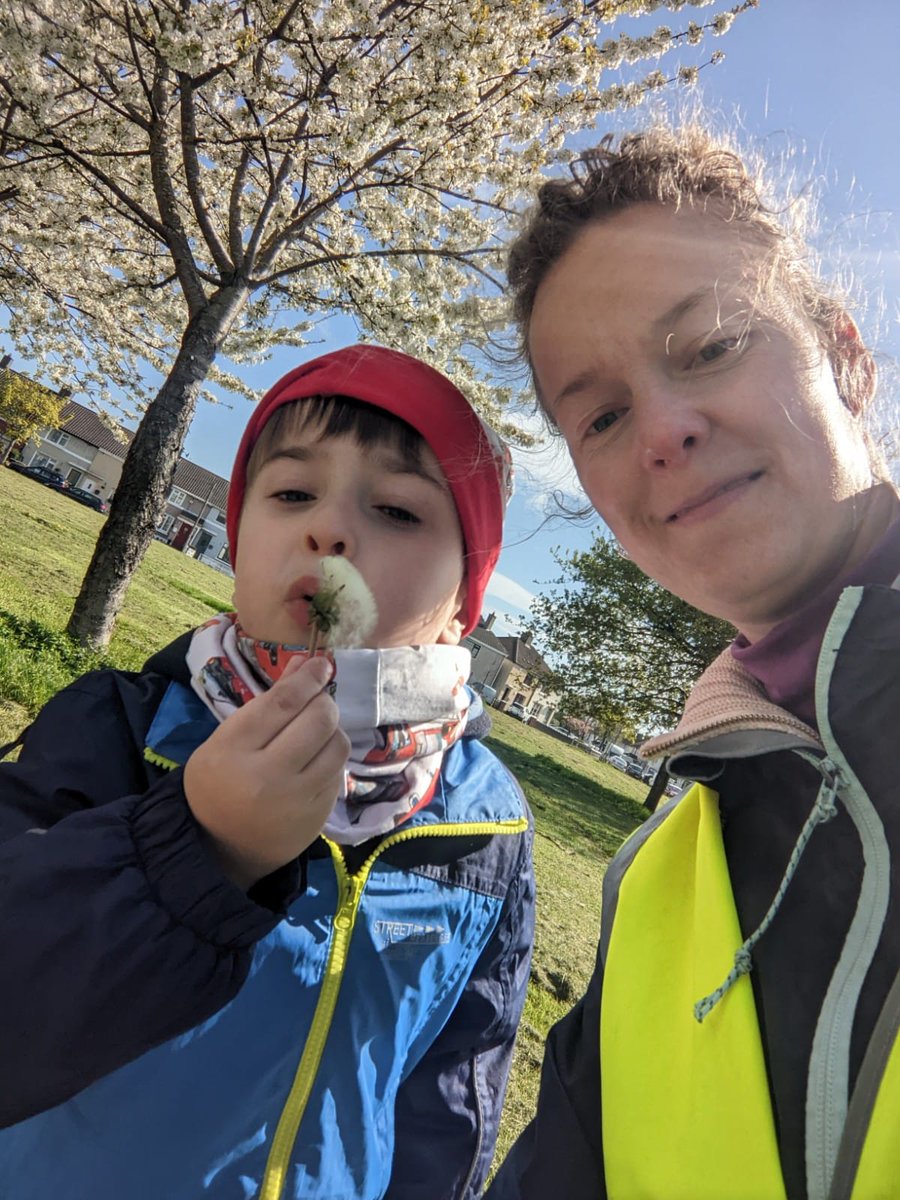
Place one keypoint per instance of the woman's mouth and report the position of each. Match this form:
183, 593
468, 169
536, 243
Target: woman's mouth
713, 499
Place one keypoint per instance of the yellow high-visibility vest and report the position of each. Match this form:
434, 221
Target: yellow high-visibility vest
687, 1113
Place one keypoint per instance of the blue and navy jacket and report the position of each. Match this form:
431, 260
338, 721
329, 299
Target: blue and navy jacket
164, 1035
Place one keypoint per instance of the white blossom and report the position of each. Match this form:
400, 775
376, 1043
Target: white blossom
181, 183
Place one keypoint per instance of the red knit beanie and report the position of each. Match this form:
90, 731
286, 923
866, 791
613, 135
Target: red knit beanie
474, 460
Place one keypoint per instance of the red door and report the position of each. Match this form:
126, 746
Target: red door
182, 533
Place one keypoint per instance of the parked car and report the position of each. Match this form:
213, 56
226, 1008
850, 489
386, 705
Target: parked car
44, 475
488, 694
518, 711
91, 499
634, 768
619, 761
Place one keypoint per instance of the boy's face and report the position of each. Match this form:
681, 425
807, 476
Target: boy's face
396, 523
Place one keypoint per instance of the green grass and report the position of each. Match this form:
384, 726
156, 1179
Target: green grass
46, 542
583, 808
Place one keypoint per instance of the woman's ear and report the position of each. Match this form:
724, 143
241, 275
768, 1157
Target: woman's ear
855, 372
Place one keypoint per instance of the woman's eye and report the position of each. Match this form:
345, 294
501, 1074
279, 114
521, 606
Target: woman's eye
603, 422
402, 515
713, 350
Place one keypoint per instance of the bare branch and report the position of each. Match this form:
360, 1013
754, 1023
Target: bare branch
192, 175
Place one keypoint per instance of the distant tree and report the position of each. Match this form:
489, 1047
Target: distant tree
186, 179
625, 650
26, 407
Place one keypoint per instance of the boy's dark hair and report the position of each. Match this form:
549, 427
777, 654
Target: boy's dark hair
336, 416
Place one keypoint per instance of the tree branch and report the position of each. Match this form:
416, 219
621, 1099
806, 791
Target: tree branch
161, 171
194, 181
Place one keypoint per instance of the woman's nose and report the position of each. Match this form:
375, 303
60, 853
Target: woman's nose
670, 428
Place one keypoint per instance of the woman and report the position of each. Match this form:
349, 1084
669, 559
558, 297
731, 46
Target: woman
746, 997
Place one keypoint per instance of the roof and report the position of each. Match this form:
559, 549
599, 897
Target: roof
205, 485
107, 434
104, 433
523, 654
486, 638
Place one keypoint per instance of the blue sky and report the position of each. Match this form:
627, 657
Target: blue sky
813, 75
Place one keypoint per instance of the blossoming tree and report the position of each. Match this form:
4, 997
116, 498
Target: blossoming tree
182, 180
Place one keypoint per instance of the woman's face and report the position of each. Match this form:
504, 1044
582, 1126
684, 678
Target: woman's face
703, 418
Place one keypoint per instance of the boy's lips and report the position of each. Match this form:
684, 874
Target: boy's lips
298, 598
303, 588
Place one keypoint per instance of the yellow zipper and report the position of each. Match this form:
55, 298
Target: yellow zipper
350, 889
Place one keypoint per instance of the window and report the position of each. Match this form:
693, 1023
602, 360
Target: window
223, 555
166, 523
220, 517
474, 649
41, 460
178, 497
58, 437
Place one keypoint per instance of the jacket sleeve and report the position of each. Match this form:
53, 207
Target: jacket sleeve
448, 1110
561, 1153
117, 929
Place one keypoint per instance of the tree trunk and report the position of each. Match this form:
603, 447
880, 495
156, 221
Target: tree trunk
657, 788
147, 474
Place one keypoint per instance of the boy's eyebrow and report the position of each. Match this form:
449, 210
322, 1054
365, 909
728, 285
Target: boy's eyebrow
389, 459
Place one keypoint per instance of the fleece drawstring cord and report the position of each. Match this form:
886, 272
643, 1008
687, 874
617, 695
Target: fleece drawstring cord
823, 810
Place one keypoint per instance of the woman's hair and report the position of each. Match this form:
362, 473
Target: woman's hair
675, 168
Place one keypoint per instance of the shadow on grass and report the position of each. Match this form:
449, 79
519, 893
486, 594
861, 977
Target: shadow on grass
37, 660
574, 810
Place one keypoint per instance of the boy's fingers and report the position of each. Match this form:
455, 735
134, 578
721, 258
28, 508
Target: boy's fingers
262, 720
323, 775
298, 742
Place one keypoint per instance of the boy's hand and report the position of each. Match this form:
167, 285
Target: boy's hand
263, 785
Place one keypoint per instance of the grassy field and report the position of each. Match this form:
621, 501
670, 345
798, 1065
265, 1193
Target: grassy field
583, 809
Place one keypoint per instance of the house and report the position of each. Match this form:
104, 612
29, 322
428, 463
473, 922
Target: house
488, 656
524, 681
89, 452
86, 450
512, 668
194, 518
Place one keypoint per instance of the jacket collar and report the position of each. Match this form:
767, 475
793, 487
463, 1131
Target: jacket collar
727, 700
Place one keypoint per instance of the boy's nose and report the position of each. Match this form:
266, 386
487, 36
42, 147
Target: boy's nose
325, 544
331, 529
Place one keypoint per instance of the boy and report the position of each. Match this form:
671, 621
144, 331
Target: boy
332, 1015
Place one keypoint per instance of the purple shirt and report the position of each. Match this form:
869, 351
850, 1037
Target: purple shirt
784, 661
